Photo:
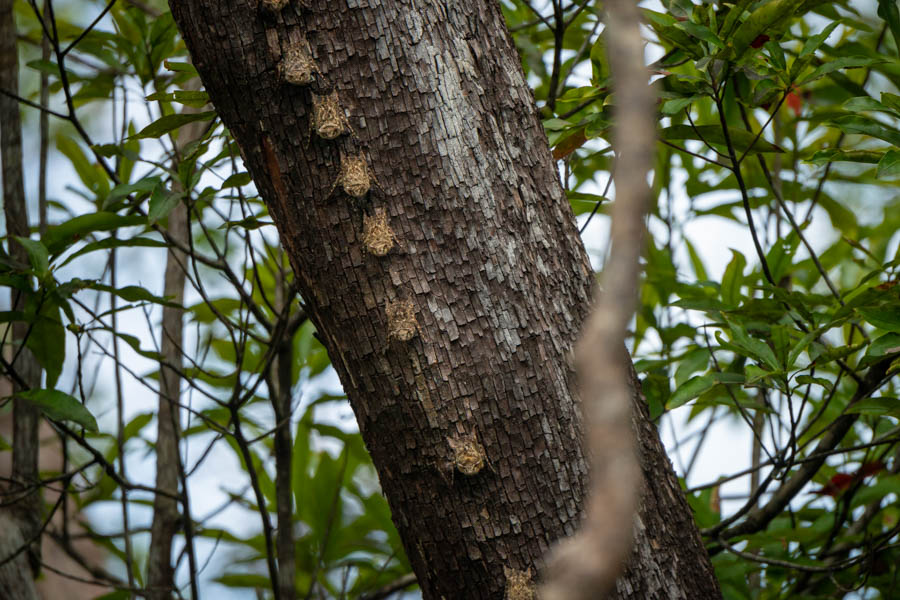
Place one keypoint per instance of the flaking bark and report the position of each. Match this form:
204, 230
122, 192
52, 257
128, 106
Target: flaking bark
487, 253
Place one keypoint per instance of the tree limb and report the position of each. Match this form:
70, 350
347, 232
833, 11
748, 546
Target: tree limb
587, 565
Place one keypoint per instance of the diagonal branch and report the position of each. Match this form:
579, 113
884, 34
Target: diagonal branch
587, 565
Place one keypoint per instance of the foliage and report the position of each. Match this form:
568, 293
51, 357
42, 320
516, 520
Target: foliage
782, 117
779, 116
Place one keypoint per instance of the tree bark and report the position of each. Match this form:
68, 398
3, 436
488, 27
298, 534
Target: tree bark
160, 572
166, 516
468, 410
20, 509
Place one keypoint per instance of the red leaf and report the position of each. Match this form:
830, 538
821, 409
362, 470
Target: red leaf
794, 103
839, 482
759, 41
569, 145
871, 468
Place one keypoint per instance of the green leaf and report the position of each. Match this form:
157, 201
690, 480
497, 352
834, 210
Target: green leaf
676, 105
889, 11
801, 346
889, 165
766, 92
885, 345
696, 261
845, 62
841, 218
557, 124
838, 155
875, 490
700, 32
868, 126
755, 374
599, 61
91, 175
135, 344
821, 354
868, 104
733, 279
9, 316
765, 20
193, 98
733, 18
133, 293
37, 255
812, 44
752, 347
877, 407
890, 100
170, 123
134, 427
244, 580
162, 202
809, 380
142, 187
726, 377
112, 242
666, 29
47, 340
776, 55
60, 406
714, 134
883, 318
781, 255
44, 66
181, 67
583, 202
60, 237
693, 361
237, 180
798, 66
690, 390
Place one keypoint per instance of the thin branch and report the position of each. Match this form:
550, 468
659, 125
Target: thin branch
694, 154
89, 28
758, 518
120, 418
794, 566
391, 588
559, 32
586, 566
598, 203
745, 198
541, 18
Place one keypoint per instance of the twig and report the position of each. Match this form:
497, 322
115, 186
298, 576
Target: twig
586, 566
391, 588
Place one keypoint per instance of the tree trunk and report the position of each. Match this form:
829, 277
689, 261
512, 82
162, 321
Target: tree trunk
166, 517
20, 500
454, 347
